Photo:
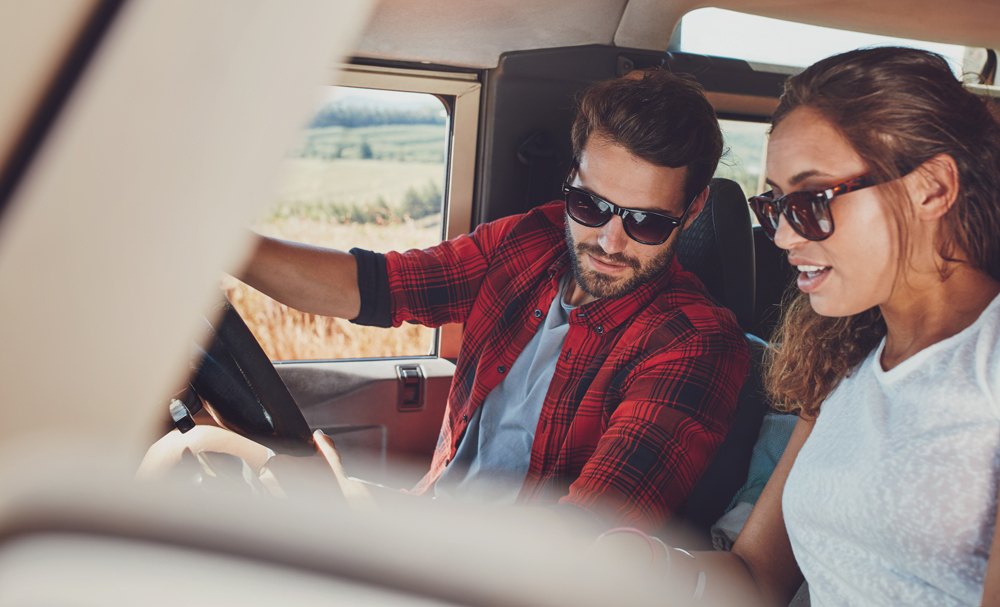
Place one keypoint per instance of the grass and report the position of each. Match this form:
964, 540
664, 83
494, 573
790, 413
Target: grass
400, 142
315, 181
399, 235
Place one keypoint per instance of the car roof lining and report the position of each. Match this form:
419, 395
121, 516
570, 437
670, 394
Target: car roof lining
475, 34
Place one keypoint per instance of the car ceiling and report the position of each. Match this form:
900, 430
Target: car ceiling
475, 34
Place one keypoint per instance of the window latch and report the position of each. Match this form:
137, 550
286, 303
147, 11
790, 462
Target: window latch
411, 387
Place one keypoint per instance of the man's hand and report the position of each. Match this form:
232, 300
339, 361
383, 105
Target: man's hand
288, 476
359, 498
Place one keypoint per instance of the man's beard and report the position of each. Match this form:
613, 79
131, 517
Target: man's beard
602, 286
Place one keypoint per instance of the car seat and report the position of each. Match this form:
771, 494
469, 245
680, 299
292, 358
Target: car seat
718, 248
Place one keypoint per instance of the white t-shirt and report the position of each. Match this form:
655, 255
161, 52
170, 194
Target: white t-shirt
893, 498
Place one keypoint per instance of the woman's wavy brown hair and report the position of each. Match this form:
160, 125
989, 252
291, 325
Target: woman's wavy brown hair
898, 108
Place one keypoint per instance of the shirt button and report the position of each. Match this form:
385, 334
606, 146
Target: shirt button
600, 329
581, 314
447, 461
538, 313
465, 418
501, 369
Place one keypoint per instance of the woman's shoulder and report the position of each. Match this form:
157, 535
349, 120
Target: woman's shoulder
974, 348
975, 355
985, 340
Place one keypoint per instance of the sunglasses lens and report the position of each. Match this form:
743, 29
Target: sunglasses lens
586, 210
767, 213
809, 215
648, 228
807, 212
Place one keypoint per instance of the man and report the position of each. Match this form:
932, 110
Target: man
595, 376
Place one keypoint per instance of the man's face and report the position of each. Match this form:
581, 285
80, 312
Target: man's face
607, 263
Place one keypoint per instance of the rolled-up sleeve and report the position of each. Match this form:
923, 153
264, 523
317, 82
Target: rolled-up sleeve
439, 285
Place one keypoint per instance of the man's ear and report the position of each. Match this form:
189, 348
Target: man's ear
572, 172
696, 206
933, 187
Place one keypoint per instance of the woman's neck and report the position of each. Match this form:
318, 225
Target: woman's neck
921, 313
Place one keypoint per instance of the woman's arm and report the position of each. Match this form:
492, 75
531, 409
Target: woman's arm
763, 545
761, 569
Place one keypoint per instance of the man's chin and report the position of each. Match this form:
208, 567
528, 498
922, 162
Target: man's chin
603, 286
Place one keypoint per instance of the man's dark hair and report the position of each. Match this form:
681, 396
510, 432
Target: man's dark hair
660, 117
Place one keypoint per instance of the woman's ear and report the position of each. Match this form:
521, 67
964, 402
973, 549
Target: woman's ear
933, 187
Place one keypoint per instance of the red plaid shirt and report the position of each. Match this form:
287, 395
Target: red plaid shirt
644, 390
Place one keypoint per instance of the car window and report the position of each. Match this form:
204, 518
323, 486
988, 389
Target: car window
722, 33
745, 157
370, 170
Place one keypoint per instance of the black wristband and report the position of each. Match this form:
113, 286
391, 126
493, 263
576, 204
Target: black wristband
373, 284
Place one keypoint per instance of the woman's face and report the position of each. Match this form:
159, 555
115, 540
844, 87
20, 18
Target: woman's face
855, 268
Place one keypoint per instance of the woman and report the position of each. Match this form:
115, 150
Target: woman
886, 196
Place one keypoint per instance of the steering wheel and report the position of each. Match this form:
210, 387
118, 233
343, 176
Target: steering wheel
243, 389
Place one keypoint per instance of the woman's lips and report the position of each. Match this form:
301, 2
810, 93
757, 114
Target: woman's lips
811, 277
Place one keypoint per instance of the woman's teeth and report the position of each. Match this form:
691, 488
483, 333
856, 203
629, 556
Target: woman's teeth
812, 270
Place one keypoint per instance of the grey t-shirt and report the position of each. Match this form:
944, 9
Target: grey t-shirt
492, 460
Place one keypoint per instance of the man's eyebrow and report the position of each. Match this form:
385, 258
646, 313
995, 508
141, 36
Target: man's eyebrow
581, 186
799, 178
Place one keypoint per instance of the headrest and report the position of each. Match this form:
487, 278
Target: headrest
718, 249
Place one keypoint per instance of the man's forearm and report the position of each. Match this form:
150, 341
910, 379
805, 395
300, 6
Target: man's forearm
310, 279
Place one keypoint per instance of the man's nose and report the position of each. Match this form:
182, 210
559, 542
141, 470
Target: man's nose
612, 236
785, 237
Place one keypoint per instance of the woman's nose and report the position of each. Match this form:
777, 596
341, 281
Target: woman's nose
785, 237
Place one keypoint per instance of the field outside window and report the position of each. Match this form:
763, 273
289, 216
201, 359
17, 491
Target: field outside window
368, 172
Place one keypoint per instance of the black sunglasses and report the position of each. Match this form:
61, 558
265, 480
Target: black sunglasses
646, 227
807, 211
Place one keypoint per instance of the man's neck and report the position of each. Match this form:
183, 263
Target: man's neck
575, 296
